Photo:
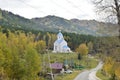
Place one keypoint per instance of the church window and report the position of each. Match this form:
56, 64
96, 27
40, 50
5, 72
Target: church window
55, 47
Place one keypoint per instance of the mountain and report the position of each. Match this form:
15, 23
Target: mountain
54, 23
89, 27
100, 28
11, 20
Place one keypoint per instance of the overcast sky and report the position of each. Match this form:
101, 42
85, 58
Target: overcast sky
80, 9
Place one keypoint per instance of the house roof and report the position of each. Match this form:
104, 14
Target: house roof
56, 65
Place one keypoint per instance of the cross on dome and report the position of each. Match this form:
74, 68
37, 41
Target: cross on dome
59, 30
60, 35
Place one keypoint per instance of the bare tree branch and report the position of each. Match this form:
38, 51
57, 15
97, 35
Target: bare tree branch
97, 2
109, 7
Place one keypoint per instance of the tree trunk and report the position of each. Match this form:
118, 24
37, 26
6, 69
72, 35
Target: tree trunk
118, 14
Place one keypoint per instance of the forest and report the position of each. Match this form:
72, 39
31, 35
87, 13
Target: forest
20, 51
19, 59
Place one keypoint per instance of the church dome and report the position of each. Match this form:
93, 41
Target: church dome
60, 35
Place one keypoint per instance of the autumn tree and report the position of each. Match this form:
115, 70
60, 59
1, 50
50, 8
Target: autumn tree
19, 59
90, 46
32, 63
110, 9
41, 46
82, 49
2, 57
47, 38
117, 71
108, 66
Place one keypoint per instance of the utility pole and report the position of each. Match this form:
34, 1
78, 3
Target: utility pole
50, 66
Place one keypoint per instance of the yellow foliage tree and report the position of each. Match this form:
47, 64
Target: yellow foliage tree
19, 59
41, 46
117, 71
90, 46
82, 49
108, 66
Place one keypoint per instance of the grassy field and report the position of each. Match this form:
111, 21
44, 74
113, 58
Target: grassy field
61, 57
101, 76
68, 76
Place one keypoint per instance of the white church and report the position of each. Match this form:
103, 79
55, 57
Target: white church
60, 45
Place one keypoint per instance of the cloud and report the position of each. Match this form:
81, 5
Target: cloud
10, 4
81, 9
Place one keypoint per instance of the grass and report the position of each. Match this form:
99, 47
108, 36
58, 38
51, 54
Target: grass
88, 63
67, 76
101, 76
61, 57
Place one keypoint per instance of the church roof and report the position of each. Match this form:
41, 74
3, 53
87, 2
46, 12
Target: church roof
65, 46
59, 41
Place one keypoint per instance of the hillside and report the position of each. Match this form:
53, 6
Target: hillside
54, 23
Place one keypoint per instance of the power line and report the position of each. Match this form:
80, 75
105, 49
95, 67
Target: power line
68, 11
31, 6
64, 8
44, 12
74, 5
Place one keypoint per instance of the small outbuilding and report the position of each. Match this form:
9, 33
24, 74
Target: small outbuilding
57, 67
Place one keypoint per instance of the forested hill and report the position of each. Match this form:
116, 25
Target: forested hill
54, 23
8, 19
